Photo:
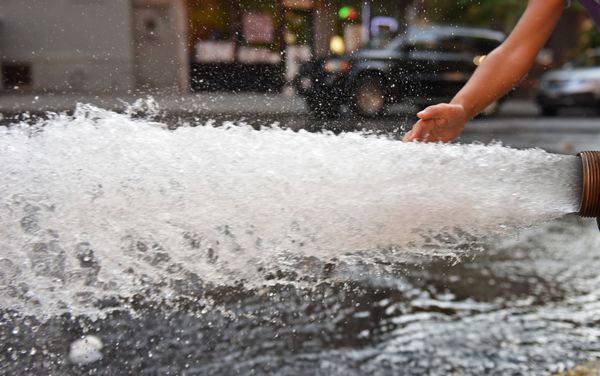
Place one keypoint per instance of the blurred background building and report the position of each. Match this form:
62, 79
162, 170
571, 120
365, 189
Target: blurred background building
121, 46
172, 46
111, 46
249, 40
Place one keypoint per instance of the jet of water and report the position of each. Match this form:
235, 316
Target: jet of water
100, 204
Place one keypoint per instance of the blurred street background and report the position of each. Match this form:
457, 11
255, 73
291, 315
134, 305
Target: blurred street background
183, 46
527, 305
214, 58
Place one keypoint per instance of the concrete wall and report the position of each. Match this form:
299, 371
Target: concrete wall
160, 46
324, 23
2, 22
71, 45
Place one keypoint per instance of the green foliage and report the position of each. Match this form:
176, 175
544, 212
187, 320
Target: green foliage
589, 36
497, 14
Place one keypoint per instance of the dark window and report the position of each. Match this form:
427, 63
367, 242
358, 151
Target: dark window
16, 75
437, 45
483, 45
433, 41
588, 60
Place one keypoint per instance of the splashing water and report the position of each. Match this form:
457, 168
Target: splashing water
100, 204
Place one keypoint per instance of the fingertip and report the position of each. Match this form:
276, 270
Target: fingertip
423, 114
415, 134
431, 112
421, 130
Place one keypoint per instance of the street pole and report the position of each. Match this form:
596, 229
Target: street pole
366, 20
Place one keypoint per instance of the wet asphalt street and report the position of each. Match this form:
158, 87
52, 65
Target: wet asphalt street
525, 306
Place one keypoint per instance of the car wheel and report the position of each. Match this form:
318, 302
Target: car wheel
322, 107
549, 111
369, 97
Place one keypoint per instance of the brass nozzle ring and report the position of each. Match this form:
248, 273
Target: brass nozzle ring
590, 188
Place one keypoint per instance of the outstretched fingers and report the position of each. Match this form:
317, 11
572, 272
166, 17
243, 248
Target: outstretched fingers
440, 122
424, 130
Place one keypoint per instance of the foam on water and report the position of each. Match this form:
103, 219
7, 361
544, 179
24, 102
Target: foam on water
100, 204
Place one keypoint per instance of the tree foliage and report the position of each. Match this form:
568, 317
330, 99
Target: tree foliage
497, 14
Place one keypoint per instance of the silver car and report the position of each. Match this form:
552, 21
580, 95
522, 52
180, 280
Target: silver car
576, 84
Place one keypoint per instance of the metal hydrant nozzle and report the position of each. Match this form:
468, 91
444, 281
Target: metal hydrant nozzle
590, 187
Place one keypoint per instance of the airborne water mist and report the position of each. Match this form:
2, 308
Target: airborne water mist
99, 204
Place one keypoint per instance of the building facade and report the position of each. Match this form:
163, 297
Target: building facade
102, 46
249, 44
126, 46
259, 44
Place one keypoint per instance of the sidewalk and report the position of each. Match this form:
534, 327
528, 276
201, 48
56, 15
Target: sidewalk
198, 103
207, 103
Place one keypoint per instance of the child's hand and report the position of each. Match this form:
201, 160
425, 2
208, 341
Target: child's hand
441, 122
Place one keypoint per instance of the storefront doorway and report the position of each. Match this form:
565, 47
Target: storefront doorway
299, 39
235, 45
249, 44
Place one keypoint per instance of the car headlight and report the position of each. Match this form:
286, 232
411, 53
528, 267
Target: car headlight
337, 66
477, 60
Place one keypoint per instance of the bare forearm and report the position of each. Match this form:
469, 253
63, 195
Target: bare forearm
501, 71
507, 65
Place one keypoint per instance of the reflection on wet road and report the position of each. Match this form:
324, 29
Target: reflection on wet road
527, 305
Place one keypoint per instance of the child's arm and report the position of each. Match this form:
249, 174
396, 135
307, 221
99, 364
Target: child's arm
501, 70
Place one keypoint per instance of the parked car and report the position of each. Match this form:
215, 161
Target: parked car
421, 66
576, 84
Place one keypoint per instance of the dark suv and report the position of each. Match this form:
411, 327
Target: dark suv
421, 66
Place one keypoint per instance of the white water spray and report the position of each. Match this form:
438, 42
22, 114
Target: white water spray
98, 204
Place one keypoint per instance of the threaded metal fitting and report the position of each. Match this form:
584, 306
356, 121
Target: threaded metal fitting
590, 188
